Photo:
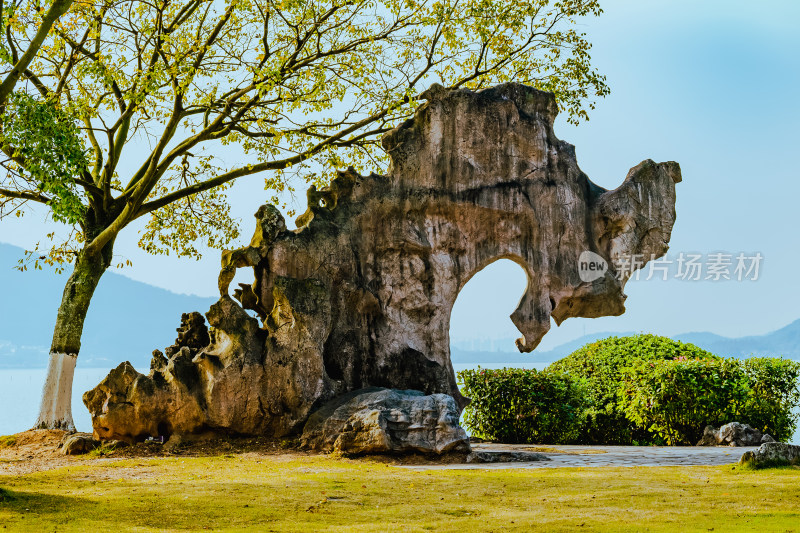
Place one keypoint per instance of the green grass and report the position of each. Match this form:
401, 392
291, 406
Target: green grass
8, 441
291, 493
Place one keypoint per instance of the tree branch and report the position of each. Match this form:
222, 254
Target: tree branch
58, 8
254, 169
25, 195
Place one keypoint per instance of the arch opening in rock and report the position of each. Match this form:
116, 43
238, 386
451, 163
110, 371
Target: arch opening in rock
480, 320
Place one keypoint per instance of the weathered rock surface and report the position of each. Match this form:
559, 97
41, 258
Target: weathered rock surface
772, 454
78, 444
377, 420
360, 294
733, 434
190, 390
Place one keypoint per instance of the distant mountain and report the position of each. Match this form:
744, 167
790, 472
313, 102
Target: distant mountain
505, 346
784, 342
505, 355
126, 321
508, 357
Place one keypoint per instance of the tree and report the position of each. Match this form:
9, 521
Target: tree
292, 84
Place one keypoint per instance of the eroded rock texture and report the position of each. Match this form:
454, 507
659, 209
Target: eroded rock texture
360, 294
379, 420
772, 454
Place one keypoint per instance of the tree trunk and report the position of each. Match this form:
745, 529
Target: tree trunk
56, 408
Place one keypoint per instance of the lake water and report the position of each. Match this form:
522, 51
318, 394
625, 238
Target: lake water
21, 389
21, 392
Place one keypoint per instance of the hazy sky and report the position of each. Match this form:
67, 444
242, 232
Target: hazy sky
712, 85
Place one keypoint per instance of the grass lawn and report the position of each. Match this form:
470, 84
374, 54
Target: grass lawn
302, 493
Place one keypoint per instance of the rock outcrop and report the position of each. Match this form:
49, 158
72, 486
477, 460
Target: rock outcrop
733, 434
78, 444
360, 294
375, 420
772, 454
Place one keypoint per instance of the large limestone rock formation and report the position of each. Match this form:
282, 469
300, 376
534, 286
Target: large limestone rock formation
360, 294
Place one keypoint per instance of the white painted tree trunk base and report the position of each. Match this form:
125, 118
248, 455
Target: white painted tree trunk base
56, 409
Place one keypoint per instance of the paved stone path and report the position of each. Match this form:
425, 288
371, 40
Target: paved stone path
588, 456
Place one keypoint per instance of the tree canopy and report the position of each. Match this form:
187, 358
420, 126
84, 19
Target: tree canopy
295, 85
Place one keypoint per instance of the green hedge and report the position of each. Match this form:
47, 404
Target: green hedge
523, 406
601, 364
642, 389
677, 399
775, 394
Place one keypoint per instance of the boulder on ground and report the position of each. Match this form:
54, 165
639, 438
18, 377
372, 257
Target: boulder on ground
734, 434
78, 444
772, 454
378, 420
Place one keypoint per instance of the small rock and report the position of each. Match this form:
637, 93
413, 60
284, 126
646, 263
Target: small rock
380, 420
78, 444
174, 443
733, 434
772, 454
710, 435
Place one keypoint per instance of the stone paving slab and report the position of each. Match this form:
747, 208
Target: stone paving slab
599, 456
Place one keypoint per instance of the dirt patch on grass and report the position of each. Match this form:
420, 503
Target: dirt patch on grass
30, 444
38, 450
31, 451
32, 440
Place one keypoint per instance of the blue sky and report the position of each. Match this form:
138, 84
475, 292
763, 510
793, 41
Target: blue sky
712, 85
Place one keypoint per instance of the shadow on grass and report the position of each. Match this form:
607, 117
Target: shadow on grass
153, 509
19, 507
23, 510
39, 504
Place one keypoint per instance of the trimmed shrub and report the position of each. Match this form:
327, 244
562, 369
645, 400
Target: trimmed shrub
601, 364
677, 399
514, 405
774, 394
